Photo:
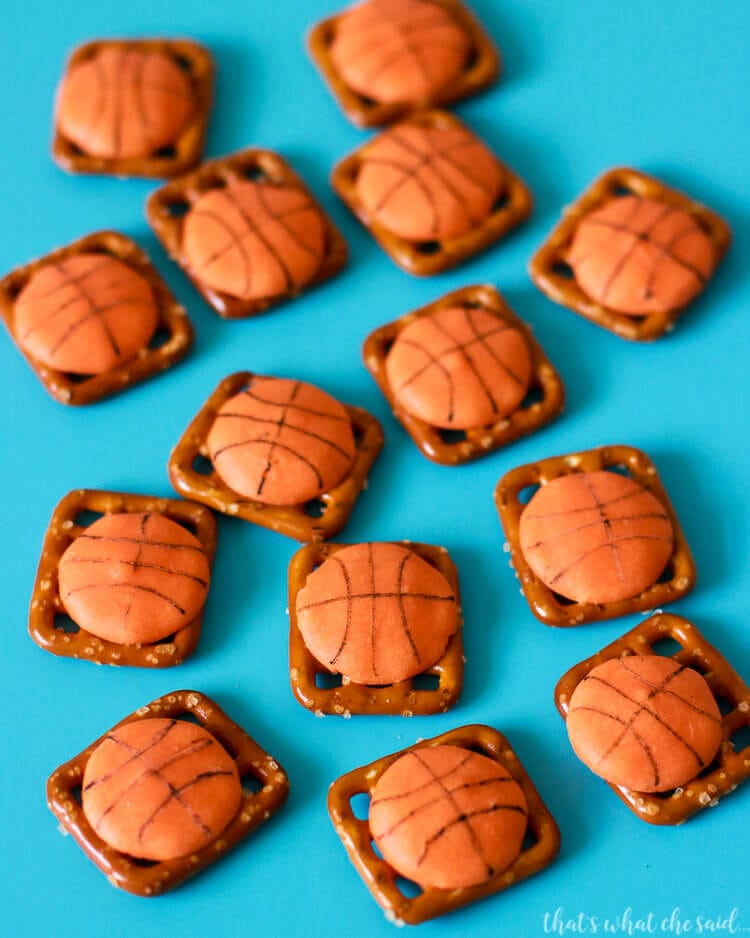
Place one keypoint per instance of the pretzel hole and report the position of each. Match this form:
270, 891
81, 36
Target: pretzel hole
530, 839
183, 62
425, 681
667, 574
501, 202
166, 153
63, 623
13, 289
711, 767
368, 102
563, 600
621, 469
254, 173
376, 850
527, 493
85, 517
75, 378
428, 247
668, 647
159, 338
327, 681
251, 785
315, 508
359, 434
451, 437
563, 270
620, 189
202, 465
471, 60
725, 704
139, 861
535, 395
178, 209
360, 805
740, 738
408, 888
75, 149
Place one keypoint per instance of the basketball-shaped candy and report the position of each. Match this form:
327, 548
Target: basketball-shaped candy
460, 367
253, 240
281, 442
134, 578
159, 789
596, 537
124, 103
428, 183
376, 613
85, 314
640, 256
644, 722
399, 50
448, 817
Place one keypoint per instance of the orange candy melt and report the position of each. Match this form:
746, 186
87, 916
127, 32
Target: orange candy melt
85, 314
640, 256
376, 613
447, 817
428, 183
596, 537
134, 578
399, 50
281, 442
159, 789
459, 368
254, 240
644, 722
124, 102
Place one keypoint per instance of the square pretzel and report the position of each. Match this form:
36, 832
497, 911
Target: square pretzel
552, 274
147, 878
480, 71
405, 698
382, 879
548, 606
47, 605
433, 442
426, 258
166, 209
187, 150
295, 521
730, 768
173, 324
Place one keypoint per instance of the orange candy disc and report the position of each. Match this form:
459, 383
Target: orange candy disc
644, 722
160, 789
640, 256
254, 240
399, 50
124, 102
459, 368
447, 817
428, 183
596, 537
134, 578
281, 442
376, 613
85, 314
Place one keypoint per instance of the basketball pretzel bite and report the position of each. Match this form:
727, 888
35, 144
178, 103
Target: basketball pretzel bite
652, 726
158, 798
94, 318
630, 254
457, 815
464, 375
385, 58
247, 232
125, 589
597, 539
133, 107
280, 453
375, 628
430, 192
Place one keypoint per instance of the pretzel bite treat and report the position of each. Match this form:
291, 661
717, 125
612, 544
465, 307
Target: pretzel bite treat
631, 254
431, 192
456, 815
644, 722
593, 535
383, 58
166, 792
278, 452
132, 584
662, 728
94, 317
247, 231
133, 107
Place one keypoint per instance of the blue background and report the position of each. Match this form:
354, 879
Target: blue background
586, 85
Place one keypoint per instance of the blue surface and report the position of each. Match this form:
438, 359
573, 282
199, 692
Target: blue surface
587, 85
